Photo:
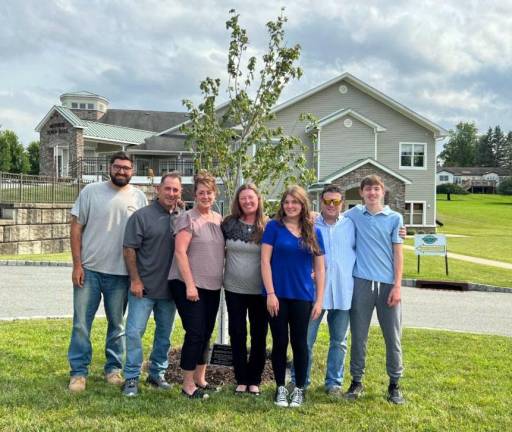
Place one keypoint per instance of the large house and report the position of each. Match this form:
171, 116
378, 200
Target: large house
474, 179
360, 131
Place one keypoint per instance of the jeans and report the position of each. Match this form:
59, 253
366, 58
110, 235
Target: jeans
139, 310
247, 370
86, 300
338, 322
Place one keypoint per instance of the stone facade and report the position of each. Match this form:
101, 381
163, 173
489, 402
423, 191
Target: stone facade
395, 188
85, 114
34, 228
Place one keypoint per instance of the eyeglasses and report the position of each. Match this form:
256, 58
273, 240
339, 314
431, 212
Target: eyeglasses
334, 202
121, 168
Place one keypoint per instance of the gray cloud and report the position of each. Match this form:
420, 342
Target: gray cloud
449, 61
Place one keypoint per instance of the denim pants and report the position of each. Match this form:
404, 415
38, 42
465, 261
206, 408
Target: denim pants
338, 322
139, 310
86, 300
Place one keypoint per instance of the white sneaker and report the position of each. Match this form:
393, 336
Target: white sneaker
297, 398
281, 397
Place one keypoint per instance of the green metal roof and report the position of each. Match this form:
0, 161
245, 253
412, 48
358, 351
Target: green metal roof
117, 134
70, 116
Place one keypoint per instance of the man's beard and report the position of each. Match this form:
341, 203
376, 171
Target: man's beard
121, 180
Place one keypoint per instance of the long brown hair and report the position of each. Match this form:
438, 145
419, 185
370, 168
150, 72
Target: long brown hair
306, 224
237, 212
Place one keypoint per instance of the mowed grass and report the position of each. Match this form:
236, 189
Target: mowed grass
433, 268
54, 257
486, 220
453, 382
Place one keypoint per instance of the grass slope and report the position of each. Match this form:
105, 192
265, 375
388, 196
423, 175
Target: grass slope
453, 381
486, 219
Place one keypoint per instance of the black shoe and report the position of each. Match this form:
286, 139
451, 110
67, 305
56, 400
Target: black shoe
158, 382
395, 394
354, 391
131, 387
198, 394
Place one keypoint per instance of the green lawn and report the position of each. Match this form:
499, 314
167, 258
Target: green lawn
486, 219
59, 257
453, 382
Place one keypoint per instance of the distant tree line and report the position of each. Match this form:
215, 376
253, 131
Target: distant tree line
466, 148
14, 157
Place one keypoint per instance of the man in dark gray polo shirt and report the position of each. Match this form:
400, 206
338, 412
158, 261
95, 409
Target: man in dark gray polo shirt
148, 251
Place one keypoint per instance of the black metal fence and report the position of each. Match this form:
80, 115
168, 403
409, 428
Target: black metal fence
24, 188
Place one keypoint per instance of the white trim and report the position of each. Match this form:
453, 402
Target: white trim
407, 167
375, 145
334, 116
49, 113
318, 157
363, 162
111, 141
423, 217
438, 131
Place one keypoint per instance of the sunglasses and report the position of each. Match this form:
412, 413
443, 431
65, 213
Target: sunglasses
334, 202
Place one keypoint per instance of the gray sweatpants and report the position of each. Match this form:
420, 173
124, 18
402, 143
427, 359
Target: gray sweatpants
367, 296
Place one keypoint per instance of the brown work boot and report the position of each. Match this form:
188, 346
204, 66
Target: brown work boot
77, 384
114, 378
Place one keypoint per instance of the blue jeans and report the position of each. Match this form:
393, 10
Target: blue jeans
139, 310
338, 322
86, 301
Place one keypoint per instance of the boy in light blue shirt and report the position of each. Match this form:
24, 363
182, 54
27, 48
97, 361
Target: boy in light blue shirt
377, 284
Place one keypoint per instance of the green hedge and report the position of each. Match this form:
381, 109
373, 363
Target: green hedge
505, 187
451, 188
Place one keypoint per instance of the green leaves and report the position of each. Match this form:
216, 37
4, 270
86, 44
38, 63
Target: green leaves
235, 142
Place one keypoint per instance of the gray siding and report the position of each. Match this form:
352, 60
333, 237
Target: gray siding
399, 129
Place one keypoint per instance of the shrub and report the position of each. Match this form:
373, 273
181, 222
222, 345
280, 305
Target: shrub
451, 188
505, 187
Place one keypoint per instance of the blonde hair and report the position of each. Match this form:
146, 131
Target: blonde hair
206, 179
307, 229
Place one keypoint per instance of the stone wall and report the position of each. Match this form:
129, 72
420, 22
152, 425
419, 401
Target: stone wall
34, 228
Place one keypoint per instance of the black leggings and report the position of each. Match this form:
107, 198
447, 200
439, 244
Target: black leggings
295, 314
198, 319
247, 371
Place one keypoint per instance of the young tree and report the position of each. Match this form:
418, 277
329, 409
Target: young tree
508, 153
33, 157
235, 142
484, 154
460, 149
499, 146
13, 157
5, 150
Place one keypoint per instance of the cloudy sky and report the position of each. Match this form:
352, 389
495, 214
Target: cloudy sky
448, 60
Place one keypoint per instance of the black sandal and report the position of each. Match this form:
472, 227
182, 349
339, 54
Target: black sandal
198, 394
208, 387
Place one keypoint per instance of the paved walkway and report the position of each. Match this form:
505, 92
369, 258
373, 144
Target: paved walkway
27, 292
474, 260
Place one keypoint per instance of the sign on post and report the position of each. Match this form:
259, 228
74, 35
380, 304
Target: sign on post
431, 245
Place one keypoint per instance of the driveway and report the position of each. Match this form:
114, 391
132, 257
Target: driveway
27, 292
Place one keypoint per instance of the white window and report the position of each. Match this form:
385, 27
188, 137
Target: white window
74, 105
413, 155
414, 213
443, 178
82, 106
90, 106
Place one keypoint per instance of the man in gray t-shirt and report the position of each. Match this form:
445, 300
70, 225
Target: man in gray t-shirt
148, 251
99, 217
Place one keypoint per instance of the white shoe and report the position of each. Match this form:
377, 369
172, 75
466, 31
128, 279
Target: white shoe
281, 397
297, 398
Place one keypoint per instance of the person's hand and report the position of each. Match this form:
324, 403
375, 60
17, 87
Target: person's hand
272, 305
402, 232
137, 288
316, 311
394, 296
77, 276
192, 294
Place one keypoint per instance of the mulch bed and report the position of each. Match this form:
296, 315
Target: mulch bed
215, 375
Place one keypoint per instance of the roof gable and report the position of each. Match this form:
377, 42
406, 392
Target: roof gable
438, 131
328, 119
353, 166
68, 115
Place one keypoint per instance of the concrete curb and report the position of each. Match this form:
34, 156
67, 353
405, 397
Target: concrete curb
35, 263
411, 283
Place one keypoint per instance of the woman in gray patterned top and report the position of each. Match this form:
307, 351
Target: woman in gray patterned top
243, 286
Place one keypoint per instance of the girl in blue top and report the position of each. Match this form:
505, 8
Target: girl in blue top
292, 248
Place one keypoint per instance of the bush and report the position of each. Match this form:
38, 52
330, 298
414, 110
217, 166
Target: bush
505, 187
452, 188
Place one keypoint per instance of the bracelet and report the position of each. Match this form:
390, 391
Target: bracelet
270, 293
